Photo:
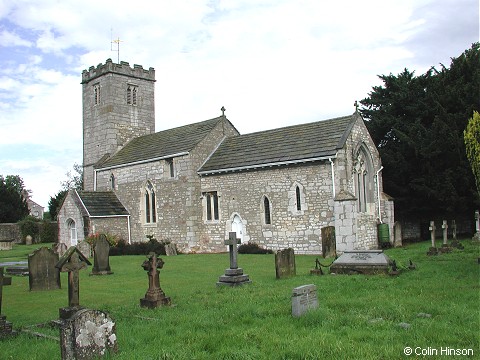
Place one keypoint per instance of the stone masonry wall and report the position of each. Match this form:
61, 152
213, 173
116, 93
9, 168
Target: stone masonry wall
70, 211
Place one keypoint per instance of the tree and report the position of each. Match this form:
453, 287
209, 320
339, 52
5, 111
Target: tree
74, 181
417, 123
472, 144
13, 203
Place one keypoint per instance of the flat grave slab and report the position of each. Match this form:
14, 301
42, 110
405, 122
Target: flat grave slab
361, 262
15, 267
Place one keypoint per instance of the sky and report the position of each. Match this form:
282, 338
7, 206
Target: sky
270, 63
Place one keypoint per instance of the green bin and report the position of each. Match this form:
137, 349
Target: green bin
383, 233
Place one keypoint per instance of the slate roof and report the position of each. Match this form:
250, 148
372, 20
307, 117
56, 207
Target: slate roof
162, 144
298, 143
102, 203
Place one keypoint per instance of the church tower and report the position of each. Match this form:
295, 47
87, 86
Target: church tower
118, 105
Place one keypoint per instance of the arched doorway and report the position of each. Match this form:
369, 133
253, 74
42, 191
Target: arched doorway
72, 232
237, 226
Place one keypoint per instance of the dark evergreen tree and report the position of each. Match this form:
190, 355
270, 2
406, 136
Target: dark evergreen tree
13, 203
417, 123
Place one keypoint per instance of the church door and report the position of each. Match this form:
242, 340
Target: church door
72, 230
237, 226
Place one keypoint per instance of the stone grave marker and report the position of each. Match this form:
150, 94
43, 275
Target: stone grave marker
329, 247
59, 248
19, 268
234, 276
476, 236
42, 273
101, 257
397, 234
72, 262
5, 326
361, 262
85, 248
28, 240
304, 298
154, 296
455, 243
285, 263
445, 248
6, 244
88, 334
433, 250
318, 268
170, 249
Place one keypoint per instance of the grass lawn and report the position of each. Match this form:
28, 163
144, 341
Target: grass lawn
358, 317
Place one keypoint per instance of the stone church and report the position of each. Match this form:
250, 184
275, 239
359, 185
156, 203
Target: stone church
193, 184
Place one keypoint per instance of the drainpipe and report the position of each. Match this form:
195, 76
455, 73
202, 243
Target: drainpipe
378, 195
94, 180
128, 228
333, 175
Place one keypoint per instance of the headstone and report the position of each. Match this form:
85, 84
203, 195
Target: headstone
329, 248
72, 262
234, 276
28, 240
445, 248
476, 236
85, 248
285, 263
87, 334
361, 262
6, 244
397, 234
433, 250
304, 298
60, 248
5, 326
455, 243
154, 296
43, 275
101, 257
170, 249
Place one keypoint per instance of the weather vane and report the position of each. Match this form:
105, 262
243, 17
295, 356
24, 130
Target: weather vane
115, 41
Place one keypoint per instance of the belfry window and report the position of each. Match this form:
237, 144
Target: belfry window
96, 94
132, 94
150, 204
211, 205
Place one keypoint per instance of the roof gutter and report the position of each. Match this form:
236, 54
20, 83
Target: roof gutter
257, 166
143, 161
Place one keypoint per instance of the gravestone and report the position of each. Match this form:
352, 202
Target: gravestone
28, 240
397, 234
329, 247
433, 250
101, 257
304, 298
445, 248
455, 243
43, 275
6, 244
285, 263
234, 276
72, 262
318, 269
476, 236
88, 334
154, 296
361, 262
85, 248
170, 249
5, 326
59, 248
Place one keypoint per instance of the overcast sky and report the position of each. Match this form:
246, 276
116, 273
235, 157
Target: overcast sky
271, 63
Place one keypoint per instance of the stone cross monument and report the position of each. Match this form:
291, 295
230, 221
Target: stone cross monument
234, 276
154, 296
433, 250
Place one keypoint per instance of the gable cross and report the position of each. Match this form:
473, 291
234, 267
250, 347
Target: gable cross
223, 110
232, 243
4, 280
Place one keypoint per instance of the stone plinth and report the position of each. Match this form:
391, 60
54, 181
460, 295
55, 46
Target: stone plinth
234, 276
361, 262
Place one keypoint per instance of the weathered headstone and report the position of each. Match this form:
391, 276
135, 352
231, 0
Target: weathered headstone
101, 257
455, 243
170, 249
28, 240
6, 244
43, 275
433, 250
60, 249
87, 334
5, 326
329, 247
234, 276
304, 298
285, 263
85, 248
397, 234
154, 296
361, 262
72, 262
445, 248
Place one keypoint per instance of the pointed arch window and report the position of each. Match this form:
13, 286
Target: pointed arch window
266, 210
150, 204
298, 198
72, 232
132, 94
112, 182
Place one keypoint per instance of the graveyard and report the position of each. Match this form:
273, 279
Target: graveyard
431, 305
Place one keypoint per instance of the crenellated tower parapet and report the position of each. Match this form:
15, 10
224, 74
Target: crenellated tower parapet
122, 69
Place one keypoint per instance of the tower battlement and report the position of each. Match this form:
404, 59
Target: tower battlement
123, 69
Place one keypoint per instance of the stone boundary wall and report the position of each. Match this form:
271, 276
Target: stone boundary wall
12, 231
418, 230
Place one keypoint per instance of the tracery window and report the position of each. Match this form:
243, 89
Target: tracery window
150, 204
211, 205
